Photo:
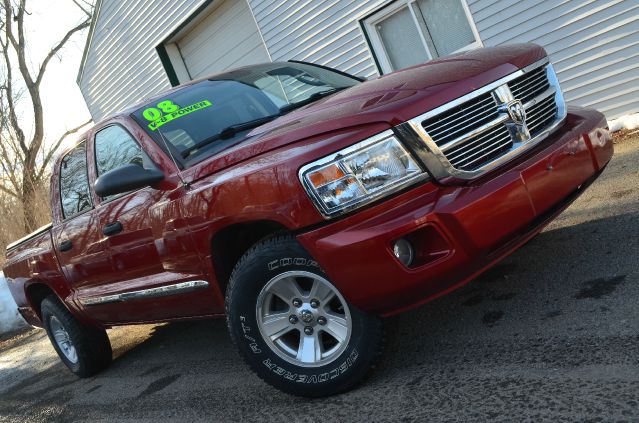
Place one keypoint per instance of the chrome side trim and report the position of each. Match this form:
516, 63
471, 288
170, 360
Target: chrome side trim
433, 156
161, 291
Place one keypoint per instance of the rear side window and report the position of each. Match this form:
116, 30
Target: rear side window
74, 182
114, 147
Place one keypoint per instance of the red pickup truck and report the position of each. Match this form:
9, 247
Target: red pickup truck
303, 204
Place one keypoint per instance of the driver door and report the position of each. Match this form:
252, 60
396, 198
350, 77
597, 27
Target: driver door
141, 284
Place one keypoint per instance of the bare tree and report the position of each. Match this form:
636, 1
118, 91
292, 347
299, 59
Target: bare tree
24, 160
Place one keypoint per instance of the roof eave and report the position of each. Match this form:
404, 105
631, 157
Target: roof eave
87, 46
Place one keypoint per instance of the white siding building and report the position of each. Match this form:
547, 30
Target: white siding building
139, 47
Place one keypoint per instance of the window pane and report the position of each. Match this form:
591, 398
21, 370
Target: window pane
287, 89
401, 40
114, 147
74, 182
447, 25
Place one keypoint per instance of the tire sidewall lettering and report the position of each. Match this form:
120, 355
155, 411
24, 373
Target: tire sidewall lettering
288, 261
316, 377
246, 329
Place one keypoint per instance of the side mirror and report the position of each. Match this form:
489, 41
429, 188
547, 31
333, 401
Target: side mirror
126, 178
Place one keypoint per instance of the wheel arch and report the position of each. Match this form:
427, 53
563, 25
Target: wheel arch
35, 293
229, 244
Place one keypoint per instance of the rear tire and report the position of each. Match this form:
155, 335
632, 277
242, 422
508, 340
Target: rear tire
83, 349
293, 327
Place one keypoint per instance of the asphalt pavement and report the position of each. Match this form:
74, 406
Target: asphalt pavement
550, 334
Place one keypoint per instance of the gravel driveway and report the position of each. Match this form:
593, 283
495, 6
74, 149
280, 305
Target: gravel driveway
551, 334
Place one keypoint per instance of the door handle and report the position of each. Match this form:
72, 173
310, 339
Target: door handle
65, 246
112, 228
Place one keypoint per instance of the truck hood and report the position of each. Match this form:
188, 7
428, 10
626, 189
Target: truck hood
390, 99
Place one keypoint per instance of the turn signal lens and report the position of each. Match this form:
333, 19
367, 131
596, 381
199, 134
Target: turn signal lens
325, 175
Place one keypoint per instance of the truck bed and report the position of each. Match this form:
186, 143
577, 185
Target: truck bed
33, 234
31, 260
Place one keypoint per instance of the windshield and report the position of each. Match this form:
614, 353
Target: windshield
202, 119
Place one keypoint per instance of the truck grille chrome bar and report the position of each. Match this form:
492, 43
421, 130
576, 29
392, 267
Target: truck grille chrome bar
483, 129
529, 85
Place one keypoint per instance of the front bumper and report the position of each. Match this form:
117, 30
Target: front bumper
458, 231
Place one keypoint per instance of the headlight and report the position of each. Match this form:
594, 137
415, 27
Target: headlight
360, 174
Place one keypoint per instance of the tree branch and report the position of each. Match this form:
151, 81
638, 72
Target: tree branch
83, 8
9, 165
58, 47
18, 44
8, 191
8, 87
54, 148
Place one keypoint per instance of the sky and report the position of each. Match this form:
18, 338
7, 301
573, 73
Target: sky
64, 106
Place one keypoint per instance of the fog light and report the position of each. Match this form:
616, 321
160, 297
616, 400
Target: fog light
404, 251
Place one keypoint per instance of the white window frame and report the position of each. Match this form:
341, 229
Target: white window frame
377, 45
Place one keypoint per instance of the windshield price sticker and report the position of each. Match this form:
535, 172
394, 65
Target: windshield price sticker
167, 111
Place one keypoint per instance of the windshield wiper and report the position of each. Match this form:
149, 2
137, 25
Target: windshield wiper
229, 132
313, 97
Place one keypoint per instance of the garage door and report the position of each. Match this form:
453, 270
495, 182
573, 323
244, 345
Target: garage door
227, 38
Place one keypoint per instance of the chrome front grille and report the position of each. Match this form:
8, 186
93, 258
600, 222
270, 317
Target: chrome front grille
480, 148
541, 115
460, 119
479, 131
530, 85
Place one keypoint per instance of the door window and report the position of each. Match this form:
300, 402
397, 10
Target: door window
114, 147
74, 182
409, 32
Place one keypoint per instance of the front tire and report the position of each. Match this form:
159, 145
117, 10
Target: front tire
293, 326
84, 350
